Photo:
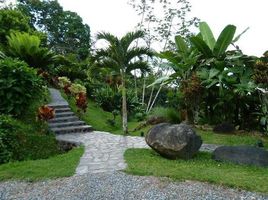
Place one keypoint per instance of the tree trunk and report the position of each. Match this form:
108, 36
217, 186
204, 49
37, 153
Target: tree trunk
124, 106
143, 91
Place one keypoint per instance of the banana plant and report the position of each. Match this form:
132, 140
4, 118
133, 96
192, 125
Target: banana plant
183, 61
206, 43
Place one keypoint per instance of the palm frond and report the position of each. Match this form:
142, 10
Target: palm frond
111, 39
141, 65
138, 52
130, 37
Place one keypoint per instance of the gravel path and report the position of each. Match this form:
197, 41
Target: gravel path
118, 186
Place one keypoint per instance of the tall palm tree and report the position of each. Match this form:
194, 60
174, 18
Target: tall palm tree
122, 57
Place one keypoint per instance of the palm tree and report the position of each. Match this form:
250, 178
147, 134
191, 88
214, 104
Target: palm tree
122, 57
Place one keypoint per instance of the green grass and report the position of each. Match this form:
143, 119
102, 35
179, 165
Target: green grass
145, 162
62, 165
97, 118
212, 138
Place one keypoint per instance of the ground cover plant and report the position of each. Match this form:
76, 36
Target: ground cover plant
145, 162
62, 165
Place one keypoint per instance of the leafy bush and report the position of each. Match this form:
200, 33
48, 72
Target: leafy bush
18, 141
27, 47
169, 114
19, 85
76, 88
110, 100
72, 72
63, 81
107, 98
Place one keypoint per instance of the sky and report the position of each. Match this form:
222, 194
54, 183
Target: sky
118, 18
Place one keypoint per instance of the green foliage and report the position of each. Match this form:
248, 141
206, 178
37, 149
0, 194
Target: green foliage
110, 99
145, 162
19, 86
170, 115
107, 98
27, 48
10, 21
18, 142
63, 165
76, 88
65, 29
207, 45
73, 72
64, 81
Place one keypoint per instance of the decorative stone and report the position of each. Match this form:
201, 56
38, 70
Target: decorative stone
224, 127
245, 155
174, 140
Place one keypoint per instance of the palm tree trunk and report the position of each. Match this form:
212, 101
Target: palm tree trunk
143, 91
124, 106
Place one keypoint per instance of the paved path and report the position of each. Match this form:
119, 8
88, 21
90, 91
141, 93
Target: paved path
104, 152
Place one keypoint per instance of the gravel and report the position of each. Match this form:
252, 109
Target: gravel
119, 186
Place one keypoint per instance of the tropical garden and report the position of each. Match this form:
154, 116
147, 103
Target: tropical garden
127, 86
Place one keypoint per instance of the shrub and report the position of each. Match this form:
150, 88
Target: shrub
19, 85
76, 88
73, 72
27, 47
107, 98
18, 141
169, 114
63, 81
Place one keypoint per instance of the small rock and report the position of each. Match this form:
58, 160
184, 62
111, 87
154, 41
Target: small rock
174, 140
224, 127
245, 155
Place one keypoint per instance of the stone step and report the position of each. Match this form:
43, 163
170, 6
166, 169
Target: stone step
64, 119
58, 106
61, 110
66, 124
72, 129
64, 114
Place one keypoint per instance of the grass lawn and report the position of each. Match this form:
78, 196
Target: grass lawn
201, 168
62, 165
97, 118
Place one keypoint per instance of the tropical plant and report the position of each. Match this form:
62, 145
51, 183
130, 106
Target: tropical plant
120, 56
46, 113
184, 62
81, 101
10, 21
27, 47
19, 85
76, 88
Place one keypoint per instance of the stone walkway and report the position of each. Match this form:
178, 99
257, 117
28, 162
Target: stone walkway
104, 152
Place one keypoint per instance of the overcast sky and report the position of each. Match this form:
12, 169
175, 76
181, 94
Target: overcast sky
118, 18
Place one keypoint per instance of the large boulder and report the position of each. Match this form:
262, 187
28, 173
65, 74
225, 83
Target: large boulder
174, 140
245, 155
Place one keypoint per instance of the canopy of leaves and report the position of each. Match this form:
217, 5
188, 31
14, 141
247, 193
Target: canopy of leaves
65, 29
12, 20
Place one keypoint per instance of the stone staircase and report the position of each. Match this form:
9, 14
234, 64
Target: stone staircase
65, 120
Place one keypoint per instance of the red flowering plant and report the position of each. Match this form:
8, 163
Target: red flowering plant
46, 113
80, 94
